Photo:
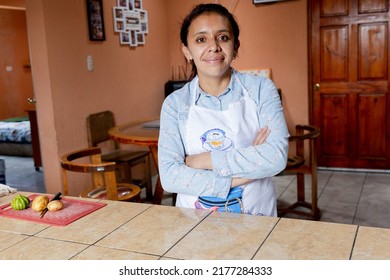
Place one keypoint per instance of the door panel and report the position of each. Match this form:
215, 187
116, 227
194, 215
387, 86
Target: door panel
334, 53
371, 109
332, 114
349, 59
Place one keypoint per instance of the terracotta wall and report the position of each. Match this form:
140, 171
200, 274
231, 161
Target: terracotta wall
15, 72
130, 81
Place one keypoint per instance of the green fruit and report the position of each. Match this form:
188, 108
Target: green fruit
20, 202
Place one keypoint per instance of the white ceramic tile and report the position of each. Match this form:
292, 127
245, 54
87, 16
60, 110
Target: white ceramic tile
241, 235
155, 231
308, 240
34, 248
372, 244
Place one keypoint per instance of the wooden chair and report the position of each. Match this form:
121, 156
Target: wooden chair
98, 125
104, 184
299, 166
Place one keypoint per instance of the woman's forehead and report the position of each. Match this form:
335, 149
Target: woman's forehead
210, 21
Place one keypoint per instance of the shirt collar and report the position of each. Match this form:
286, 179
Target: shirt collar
231, 86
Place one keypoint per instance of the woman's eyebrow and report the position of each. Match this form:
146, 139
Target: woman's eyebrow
205, 32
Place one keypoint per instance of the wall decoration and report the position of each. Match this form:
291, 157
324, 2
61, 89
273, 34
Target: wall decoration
266, 1
95, 20
131, 22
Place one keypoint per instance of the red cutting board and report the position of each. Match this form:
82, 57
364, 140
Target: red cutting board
73, 209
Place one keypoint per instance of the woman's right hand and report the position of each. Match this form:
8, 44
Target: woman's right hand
259, 139
261, 136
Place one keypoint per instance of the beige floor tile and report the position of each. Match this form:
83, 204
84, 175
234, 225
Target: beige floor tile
372, 244
43, 249
150, 234
105, 220
308, 240
20, 227
102, 253
242, 235
8, 239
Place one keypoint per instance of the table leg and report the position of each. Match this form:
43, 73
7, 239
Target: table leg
158, 192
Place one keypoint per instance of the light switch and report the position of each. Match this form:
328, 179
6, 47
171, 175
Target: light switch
90, 63
9, 68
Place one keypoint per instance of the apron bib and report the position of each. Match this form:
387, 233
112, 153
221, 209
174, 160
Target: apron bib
236, 127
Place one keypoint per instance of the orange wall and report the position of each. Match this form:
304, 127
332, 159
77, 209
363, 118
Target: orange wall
130, 82
18, 4
16, 82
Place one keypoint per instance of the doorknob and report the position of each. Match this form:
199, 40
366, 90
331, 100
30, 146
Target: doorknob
31, 100
317, 86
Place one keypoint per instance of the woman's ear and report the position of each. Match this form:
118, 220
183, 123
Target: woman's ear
186, 52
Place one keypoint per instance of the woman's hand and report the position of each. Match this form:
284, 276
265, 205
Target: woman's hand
200, 161
261, 136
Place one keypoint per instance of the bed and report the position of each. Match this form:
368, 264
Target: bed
15, 137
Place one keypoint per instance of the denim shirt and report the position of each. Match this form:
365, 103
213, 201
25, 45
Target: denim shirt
253, 162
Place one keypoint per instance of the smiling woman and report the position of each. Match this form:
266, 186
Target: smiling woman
223, 134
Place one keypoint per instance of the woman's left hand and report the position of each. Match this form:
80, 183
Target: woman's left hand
200, 161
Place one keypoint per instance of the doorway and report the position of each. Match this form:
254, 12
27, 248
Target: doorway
349, 77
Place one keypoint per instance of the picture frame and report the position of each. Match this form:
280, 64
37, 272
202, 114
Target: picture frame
130, 22
125, 38
95, 20
266, 1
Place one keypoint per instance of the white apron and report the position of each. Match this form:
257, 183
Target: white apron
236, 127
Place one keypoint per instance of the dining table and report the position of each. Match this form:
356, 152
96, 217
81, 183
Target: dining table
143, 132
116, 230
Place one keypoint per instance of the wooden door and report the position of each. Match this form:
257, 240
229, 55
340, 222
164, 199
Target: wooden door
349, 66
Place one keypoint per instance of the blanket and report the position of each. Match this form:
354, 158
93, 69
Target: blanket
15, 132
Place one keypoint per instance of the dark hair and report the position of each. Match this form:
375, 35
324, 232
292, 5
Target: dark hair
205, 9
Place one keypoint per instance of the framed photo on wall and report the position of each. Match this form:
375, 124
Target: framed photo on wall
266, 1
131, 22
95, 20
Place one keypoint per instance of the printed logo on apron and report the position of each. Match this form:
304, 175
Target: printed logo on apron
215, 140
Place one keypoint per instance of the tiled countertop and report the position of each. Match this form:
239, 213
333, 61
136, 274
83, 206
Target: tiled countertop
123, 230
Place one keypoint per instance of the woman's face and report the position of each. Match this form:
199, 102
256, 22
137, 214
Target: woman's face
210, 45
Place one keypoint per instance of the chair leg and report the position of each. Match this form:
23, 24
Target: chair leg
158, 193
301, 187
148, 177
315, 211
126, 171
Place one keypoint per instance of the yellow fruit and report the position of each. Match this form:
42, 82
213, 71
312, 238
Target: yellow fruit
55, 205
39, 203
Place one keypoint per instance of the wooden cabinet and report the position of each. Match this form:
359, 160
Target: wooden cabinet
35, 139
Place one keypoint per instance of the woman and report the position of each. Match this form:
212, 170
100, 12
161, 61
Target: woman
223, 135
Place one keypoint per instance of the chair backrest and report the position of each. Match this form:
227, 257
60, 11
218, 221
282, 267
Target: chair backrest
103, 174
98, 125
310, 133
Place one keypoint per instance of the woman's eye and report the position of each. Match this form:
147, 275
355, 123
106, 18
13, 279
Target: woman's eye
200, 40
223, 38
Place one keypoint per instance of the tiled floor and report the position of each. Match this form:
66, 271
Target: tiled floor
20, 173
344, 197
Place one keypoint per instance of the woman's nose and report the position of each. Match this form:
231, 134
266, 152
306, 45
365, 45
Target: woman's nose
214, 46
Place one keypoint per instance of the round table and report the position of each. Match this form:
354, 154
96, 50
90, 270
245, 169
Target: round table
144, 133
